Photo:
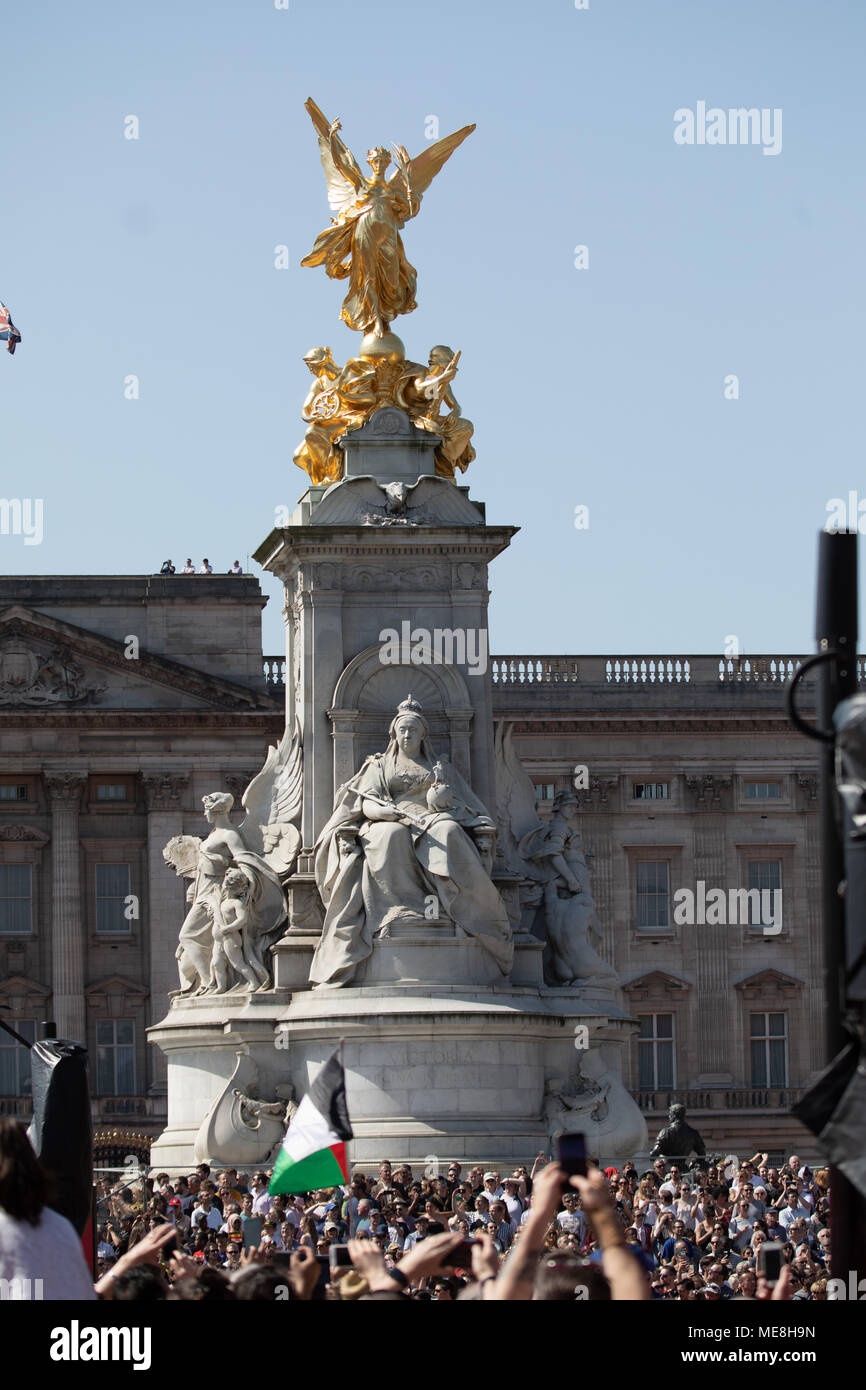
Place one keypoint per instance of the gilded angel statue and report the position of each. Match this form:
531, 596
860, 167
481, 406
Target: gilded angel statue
236, 894
363, 242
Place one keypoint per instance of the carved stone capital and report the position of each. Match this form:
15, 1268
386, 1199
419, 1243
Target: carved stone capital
709, 792
164, 790
65, 787
807, 785
596, 795
237, 783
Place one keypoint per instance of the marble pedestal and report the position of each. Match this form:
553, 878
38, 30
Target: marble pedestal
434, 1070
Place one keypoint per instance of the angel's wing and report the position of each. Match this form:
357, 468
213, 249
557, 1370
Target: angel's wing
422, 170
516, 815
274, 795
341, 191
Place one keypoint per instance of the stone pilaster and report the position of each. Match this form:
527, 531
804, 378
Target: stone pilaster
165, 792
711, 942
67, 935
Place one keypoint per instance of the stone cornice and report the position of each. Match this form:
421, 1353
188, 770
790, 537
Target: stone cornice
154, 721
645, 722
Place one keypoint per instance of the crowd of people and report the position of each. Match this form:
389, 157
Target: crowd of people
168, 567
662, 1231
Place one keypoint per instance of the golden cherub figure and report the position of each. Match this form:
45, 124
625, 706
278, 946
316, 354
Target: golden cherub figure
363, 243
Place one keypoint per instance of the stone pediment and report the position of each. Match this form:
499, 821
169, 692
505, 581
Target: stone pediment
768, 982
656, 983
50, 665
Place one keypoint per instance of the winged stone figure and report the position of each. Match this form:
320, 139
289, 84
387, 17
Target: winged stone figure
272, 802
237, 895
363, 244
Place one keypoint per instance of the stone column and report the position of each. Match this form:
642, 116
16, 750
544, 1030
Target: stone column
166, 904
67, 934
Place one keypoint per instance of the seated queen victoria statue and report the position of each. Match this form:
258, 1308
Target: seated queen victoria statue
405, 829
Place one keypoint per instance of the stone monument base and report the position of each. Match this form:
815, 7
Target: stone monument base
434, 1071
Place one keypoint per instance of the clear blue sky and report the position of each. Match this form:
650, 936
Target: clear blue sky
601, 387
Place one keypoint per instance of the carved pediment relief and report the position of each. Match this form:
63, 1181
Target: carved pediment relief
42, 674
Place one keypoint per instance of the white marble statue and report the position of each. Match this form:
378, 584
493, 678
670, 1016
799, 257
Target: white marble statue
404, 829
236, 895
552, 860
594, 1102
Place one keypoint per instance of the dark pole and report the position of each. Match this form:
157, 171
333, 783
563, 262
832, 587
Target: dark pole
836, 631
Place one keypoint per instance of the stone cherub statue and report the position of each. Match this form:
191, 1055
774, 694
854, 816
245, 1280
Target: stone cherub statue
404, 828
551, 858
236, 895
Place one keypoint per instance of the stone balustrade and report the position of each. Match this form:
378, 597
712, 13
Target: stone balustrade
513, 672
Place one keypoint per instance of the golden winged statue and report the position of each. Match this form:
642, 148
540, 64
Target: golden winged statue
363, 242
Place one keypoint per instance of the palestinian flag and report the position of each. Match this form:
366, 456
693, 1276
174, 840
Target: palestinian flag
314, 1149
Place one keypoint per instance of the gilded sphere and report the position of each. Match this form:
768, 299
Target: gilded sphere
389, 346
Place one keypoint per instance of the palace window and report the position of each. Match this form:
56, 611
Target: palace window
14, 791
655, 1052
769, 1049
653, 894
115, 1057
651, 791
545, 791
15, 1059
765, 876
112, 891
16, 899
763, 791
112, 791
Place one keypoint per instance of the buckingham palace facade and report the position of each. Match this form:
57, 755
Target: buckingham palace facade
125, 699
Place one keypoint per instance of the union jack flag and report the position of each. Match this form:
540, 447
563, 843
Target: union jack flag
8, 332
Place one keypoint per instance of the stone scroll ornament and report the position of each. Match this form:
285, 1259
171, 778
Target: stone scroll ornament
594, 1102
240, 1129
405, 829
236, 895
555, 894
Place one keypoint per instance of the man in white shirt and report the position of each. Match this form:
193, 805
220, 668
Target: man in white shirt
206, 1214
189, 567
236, 568
261, 1196
206, 567
571, 1218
